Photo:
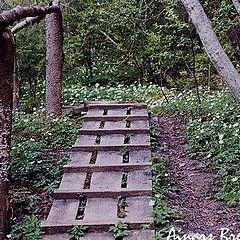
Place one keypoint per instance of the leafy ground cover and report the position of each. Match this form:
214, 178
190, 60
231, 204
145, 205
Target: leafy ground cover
39, 151
39, 147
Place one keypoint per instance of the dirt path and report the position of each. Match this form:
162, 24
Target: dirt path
201, 213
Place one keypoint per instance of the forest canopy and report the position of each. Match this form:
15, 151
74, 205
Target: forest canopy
126, 41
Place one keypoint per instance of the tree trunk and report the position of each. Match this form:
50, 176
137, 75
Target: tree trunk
54, 62
7, 50
219, 58
15, 85
236, 5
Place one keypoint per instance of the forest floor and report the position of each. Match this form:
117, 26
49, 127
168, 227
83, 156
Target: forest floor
195, 183
200, 151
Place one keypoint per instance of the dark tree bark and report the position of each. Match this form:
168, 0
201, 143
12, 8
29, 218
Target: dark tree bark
7, 49
218, 57
9, 17
54, 62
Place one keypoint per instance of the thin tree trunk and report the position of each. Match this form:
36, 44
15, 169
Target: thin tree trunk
15, 85
219, 58
54, 62
7, 50
236, 4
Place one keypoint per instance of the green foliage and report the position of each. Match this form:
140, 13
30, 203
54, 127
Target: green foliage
39, 149
163, 214
29, 230
136, 92
125, 41
38, 146
76, 232
213, 129
119, 230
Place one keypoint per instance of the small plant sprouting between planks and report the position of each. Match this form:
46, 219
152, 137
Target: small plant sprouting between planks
76, 232
119, 230
123, 150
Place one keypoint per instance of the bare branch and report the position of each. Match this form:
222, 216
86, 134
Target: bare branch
27, 22
9, 17
109, 38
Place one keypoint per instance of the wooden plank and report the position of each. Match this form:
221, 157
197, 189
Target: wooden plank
59, 194
101, 210
98, 236
113, 118
100, 226
139, 180
140, 235
109, 158
117, 111
140, 138
115, 105
136, 111
91, 124
140, 157
139, 209
62, 212
85, 140
113, 131
139, 125
103, 181
132, 235
72, 181
104, 168
78, 158
94, 112
109, 147
113, 125
112, 139
56, 237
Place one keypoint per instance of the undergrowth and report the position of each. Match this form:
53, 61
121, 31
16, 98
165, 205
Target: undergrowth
163, 214
39, 148
39, 151
213, 129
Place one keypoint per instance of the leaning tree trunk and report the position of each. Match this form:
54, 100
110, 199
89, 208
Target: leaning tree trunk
236, 4
54, 62
7, 50
219, 58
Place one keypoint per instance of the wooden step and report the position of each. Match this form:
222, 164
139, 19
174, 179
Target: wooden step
116, 118
110, 147
104, 168
112, 131
59, 194
132, 235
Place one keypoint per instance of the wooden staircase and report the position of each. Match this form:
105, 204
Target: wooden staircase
107, 168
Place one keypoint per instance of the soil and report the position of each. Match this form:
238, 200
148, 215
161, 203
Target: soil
200, 211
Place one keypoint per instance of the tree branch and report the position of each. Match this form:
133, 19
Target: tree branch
9, 17
27, 22
109, 38
236, 5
